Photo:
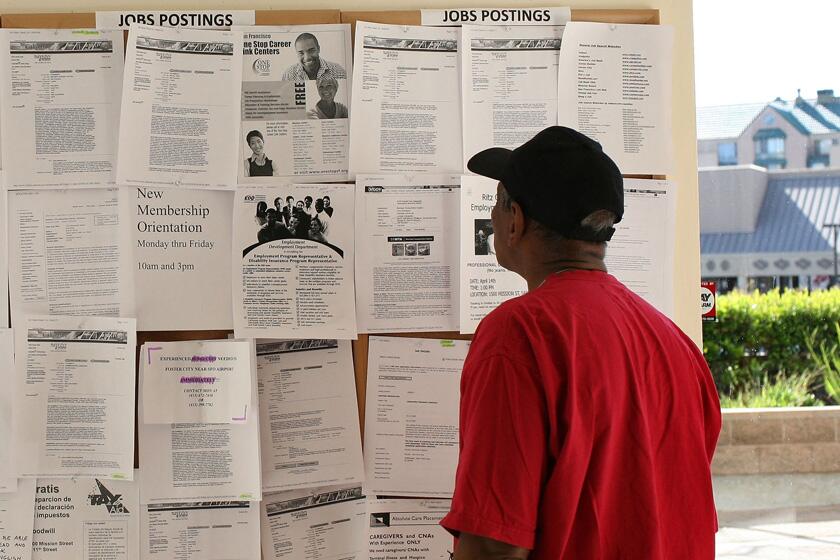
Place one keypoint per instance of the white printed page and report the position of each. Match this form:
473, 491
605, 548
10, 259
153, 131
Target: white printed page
508, 84
181, 241
86, 519
16, 521
209, 530
199, 461
408, 528
309, 417
484, 284
69, 255
411, 426
641, 252
180, 108
8, 473
617, 90
293, 262
406, 100
4, 255
198, 381
407, 259
295, 104
75, 382
314, 524
61, 107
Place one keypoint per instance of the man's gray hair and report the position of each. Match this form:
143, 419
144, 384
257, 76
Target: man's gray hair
598, 221
597, 227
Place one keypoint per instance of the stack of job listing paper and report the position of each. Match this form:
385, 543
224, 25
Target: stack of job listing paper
201, 184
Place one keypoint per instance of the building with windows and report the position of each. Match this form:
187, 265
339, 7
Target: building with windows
803, 134
770, 193
763, 229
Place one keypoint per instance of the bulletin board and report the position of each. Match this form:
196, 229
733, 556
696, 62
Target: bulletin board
306, 17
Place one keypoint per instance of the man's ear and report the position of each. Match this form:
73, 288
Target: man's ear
517, 225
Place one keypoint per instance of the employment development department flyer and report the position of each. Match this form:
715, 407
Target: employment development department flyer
61, 106
180, 108
293, 262
295, 103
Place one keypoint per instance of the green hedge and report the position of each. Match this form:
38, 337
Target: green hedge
765, 334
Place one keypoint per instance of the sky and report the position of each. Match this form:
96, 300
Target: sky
748, 51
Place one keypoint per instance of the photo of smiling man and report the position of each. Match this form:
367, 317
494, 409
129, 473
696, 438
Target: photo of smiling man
310, 65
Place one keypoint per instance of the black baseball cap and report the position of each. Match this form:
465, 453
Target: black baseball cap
559, 177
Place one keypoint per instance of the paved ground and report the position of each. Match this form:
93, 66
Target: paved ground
785, 534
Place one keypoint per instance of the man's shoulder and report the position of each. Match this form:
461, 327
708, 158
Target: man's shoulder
334, 68
506, 325
292, 72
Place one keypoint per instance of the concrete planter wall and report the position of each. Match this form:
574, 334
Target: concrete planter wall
779, 441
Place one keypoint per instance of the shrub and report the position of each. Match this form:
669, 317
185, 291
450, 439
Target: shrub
794, 390
760, 335
827, 355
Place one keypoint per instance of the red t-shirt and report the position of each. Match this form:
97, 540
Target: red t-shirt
588, 423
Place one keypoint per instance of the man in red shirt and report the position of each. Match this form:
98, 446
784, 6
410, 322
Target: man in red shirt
588, 419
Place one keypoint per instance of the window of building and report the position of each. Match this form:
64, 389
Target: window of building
824, 146
771, 146
769, 142
727, 153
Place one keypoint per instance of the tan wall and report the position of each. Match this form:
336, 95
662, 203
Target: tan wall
796, 143
677, 13
777, 441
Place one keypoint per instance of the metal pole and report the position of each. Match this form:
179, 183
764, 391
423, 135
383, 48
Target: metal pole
834, 228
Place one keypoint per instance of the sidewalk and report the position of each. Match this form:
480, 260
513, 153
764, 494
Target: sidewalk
783, 534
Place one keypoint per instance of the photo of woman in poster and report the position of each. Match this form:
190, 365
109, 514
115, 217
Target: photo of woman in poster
328, 107
258, 164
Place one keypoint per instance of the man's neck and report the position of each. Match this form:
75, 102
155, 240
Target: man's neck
314, 74
570, 255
